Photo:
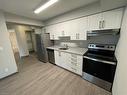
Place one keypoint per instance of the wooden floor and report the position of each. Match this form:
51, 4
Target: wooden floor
37, 78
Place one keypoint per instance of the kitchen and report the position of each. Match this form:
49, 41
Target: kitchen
86, 42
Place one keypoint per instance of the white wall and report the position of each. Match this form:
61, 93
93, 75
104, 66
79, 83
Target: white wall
7, 61
120, 82
21, 39
22, 20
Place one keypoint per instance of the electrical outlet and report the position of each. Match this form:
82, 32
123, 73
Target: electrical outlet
6, 69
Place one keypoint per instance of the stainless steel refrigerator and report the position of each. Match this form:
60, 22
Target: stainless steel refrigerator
42, 41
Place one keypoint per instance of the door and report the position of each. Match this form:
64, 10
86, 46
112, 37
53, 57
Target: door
94, 21
112, 19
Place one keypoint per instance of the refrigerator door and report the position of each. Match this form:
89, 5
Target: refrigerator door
41, 52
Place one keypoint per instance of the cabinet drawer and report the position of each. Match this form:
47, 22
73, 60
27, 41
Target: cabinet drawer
77, 71
76, 64
73, 59
74, 56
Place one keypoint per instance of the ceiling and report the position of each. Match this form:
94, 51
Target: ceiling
26, 7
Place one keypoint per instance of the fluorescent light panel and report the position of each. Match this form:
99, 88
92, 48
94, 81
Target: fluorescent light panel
46, 5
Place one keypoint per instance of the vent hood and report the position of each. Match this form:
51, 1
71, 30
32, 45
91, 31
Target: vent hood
103, 32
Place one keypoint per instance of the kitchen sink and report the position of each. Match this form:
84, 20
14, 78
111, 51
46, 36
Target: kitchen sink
63, 48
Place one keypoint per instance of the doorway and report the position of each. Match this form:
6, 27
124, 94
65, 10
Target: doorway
13, 39
31, 41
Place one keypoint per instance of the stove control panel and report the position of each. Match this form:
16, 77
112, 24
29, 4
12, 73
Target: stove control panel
102, 46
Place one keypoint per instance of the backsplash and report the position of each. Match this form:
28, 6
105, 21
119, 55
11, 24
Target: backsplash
106, 39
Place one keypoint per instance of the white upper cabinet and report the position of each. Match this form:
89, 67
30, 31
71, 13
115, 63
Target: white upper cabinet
53, 30
76, 29
82, 28
112, 19
94, 22
64, 29
106, 20
79, 29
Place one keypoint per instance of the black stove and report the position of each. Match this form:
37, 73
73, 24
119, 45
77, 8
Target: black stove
99, 64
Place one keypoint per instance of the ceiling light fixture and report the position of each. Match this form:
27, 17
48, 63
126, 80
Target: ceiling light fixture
46, 5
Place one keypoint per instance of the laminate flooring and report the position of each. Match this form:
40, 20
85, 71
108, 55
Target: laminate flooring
38, 78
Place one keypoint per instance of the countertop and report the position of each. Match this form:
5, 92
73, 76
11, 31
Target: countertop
74, 50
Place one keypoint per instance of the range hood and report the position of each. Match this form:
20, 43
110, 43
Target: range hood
103, 32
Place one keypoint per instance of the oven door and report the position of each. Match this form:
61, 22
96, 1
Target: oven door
99, 68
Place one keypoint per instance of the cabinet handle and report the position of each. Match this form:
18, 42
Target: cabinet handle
99, 24
62, 33
78, 35
103, 24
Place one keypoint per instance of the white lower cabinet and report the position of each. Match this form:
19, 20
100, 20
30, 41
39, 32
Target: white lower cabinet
75, 63
60, 59
71, 62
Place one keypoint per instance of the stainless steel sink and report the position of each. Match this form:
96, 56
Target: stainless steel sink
63, 48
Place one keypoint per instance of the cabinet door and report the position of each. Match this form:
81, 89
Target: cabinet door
57, 58
63, 29
65, 60
112, 19
74, 29
61, 59
82, 28
53, 32
94, 22
56, 32
50, 29
79, 28
66, 28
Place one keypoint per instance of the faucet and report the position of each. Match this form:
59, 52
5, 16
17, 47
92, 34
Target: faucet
66, 45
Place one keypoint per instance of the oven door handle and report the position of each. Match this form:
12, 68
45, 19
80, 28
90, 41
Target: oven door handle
99, 60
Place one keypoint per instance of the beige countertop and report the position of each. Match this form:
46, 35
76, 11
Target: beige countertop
74, 50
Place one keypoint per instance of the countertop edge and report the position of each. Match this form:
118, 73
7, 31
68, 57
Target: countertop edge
56, 49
